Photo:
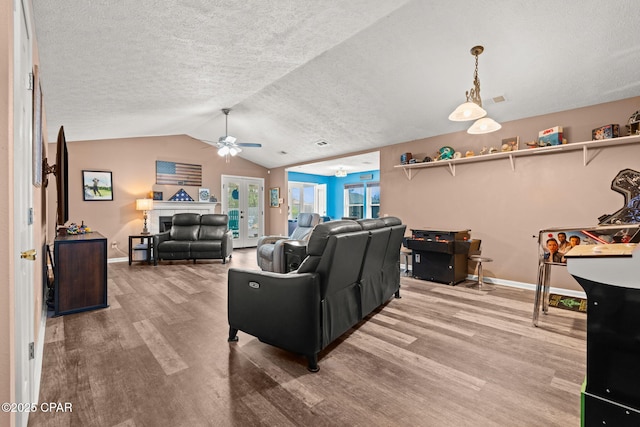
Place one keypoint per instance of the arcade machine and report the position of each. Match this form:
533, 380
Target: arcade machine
608, 269
439, 256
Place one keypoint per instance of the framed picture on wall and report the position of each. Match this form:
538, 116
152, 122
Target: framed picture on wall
97, 185
274, 197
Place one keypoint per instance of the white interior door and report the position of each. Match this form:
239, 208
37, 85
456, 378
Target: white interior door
23, 211
243, 201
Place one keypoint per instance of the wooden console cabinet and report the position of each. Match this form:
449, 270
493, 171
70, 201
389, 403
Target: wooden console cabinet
80, 273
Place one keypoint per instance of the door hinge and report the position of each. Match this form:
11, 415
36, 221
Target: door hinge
32, 351
30, 81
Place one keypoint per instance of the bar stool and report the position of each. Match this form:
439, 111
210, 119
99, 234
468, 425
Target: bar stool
407, 253
480, 259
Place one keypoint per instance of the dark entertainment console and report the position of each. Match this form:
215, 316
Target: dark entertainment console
439, 256
80, 273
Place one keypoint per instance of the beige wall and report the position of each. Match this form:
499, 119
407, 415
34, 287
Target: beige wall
506, 208
132, 163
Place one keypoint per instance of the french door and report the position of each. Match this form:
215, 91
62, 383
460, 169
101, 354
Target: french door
243, 201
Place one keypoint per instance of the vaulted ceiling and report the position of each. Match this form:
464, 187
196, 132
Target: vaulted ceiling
357, 74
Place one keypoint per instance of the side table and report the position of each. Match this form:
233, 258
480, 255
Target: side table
146, 245
295, 251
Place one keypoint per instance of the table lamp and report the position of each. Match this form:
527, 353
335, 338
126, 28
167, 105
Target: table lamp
144, 205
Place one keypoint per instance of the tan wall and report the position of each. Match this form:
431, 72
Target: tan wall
132, 162
506, 208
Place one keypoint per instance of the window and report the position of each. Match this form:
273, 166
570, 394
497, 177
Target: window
373, 200
306, 197
354, 200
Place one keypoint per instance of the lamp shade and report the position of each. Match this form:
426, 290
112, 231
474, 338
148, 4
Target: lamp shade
467, 111
484, 125
144, 204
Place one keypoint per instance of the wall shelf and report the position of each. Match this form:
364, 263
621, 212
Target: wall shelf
413, 168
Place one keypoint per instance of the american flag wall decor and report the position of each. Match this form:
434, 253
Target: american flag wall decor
173, 173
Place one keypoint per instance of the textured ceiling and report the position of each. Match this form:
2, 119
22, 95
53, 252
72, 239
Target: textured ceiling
358, 74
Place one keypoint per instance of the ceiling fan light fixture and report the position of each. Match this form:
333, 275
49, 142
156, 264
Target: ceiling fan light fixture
223, 151
484, 125
234, 150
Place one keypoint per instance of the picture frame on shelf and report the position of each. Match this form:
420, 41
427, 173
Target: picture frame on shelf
511, 144
204, 195
274, 197
157, 195
97, 185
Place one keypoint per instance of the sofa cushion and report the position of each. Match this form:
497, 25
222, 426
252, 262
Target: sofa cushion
371, 223
320, 234
206, 246
185, 226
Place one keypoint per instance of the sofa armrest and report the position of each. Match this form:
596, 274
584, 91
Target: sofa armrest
161, 237
227, 243
279, 309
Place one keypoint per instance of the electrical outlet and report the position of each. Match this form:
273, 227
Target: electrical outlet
114, 245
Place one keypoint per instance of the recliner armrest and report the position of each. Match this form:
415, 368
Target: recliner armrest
267, 240
279, 309
227, 243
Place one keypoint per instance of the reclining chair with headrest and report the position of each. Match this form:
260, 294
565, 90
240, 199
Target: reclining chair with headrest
270, 250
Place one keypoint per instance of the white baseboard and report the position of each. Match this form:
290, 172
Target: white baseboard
523, 285
39, 351
530, 286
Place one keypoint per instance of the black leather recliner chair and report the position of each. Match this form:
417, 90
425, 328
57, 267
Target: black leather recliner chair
334, 288
270, 249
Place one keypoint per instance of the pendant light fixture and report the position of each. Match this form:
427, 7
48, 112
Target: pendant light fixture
472, 109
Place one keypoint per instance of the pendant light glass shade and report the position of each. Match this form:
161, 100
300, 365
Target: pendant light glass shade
484, 125
467, 111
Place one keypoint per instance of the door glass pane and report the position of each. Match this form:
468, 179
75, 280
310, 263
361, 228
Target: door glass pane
253, 211
296, 197
233, 208
308, 199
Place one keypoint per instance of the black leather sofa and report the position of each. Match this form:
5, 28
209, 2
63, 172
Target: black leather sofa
352, 267
194, 236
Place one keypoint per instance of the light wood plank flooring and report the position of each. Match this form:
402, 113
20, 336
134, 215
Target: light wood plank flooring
439, 356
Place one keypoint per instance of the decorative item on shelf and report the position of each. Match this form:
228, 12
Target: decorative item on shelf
203, 194
633, 125
427, 159
144, 205
405, 158
472, 109
181, 196
493, 150
510, 144
551, 136
605, 132
213, 199
469, 153
445, 153
156, 195
532, 144
457, 155
484, 151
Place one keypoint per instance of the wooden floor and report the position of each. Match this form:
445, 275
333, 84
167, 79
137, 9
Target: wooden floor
439, 356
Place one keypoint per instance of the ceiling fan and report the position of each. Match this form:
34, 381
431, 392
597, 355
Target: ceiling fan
227, 144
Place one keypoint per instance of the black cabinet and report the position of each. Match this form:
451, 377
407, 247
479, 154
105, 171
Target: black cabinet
439, 256
80, 273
